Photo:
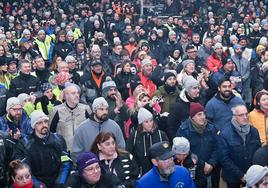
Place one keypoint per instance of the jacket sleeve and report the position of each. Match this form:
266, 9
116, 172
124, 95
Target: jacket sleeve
66, 163
213, 160
173, 121
120, 138
225, 160
53, 120
134, 173
209, 111
200, 177
77, 146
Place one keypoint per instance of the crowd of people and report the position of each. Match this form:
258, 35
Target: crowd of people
93, 94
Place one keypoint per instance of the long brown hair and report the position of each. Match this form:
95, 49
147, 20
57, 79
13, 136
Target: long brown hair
102, 137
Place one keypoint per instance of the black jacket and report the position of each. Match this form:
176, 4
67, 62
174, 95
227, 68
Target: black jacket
125, 167
62, 49
10, 150
138, 144
261, 156
23, 84
121, 80
179, 112
45, 158
107, 180
196, 170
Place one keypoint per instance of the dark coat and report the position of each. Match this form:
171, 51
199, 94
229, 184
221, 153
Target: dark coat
107, 180
234, 155
23, 84
138, 145
179, 112
195, 168
126, 169
121, 80
204, 146
261, 156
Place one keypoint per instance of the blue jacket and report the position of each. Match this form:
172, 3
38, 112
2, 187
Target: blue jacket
221, 74
236, 156
180, 178
219, 111
25, 126
203, 145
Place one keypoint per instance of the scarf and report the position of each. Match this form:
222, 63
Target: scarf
241, 130
199, 128
169, 89
28, 185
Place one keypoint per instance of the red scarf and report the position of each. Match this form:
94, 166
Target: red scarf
29, 185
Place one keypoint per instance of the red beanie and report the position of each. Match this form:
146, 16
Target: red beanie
195, 108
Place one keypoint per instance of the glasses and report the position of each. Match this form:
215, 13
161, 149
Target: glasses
242, 115
16, 109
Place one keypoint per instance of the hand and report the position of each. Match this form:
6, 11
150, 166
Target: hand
208, 168
243, 179
118, 100
128, 85
15, 135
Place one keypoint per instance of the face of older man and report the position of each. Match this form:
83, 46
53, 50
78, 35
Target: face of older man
241, 115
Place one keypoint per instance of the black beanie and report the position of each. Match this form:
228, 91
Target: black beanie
134, 84
169, 74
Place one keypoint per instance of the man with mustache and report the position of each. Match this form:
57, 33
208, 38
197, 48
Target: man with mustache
47, 152
118, 111
164, 172
98, 122
15, 121
218, 109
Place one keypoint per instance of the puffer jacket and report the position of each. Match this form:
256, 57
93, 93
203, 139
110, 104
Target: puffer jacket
139, 144
259, 120
125, 167
65, 120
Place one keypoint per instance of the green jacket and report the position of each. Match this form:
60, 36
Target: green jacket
169, 99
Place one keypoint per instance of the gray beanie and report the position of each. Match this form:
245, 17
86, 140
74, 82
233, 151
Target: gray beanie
98, 102
108, 84
255, 173
146, 62
186, 62
22, 97
181, 145
12, 102
37, 116
217, 45
189, 82
144, 115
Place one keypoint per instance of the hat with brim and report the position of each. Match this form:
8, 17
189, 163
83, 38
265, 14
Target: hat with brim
161, 151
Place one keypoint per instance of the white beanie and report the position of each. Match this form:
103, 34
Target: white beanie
146, 62
181, 145
217, 45
22, 97
255, 173
12, 102
98, 102
37, 116
144, 115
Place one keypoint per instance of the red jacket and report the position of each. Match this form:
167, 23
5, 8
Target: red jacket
147, 83
214, 63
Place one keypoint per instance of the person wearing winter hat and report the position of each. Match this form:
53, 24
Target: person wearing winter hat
90, 173
98, 121
147, 133
184, 157
164, 172
189, 94
15, 121
168, 92
257, 176
188, 70
202, 137
27, 102
214, 61
49, 147
144, 76
117, 109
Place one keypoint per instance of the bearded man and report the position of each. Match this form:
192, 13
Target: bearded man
15, 121
98, 122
